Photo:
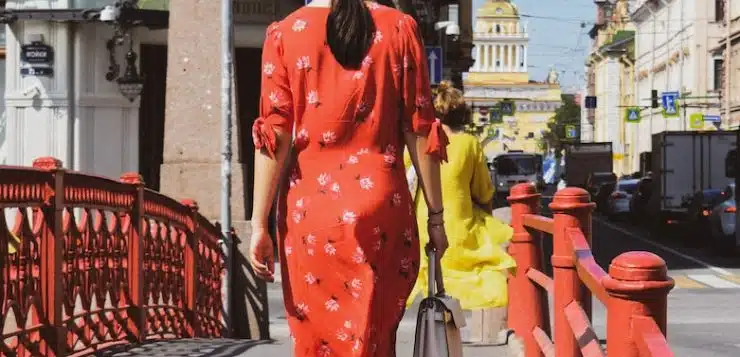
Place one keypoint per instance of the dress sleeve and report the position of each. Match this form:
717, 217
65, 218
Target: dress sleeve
481, 187
419, 116
276, 99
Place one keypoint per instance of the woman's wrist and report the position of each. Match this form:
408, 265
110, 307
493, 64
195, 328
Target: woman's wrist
259, 224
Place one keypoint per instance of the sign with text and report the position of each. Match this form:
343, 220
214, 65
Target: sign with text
37, 53
571, 132
434, 56
712, 118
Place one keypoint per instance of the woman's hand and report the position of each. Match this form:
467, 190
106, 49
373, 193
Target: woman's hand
262, 254
437, 235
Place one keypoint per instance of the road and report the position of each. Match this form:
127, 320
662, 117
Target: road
703, 309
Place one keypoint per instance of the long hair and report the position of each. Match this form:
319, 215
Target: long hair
349, 31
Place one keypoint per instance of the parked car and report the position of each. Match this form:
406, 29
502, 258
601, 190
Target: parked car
619, 200
722, 222
601, 196
596, 179
639, 200
700, 207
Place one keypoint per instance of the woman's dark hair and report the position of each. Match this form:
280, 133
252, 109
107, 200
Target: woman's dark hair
349, 31
450, 106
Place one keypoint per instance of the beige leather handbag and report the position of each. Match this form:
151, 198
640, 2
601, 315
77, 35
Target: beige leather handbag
440, 319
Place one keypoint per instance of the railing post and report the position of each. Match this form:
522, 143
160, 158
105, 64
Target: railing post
571, 208
638, 286
136, 246
527, 303
191, 269
52, 253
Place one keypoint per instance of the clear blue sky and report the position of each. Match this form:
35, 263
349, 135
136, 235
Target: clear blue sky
557, 39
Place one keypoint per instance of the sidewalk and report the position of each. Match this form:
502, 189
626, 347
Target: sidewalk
405, 338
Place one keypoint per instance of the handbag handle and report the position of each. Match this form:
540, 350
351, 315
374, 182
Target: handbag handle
435, 274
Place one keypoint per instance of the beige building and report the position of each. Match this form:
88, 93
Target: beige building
501, 74
610, 69
730, 96
673, 43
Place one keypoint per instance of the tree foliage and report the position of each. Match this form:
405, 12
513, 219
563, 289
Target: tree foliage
568, 114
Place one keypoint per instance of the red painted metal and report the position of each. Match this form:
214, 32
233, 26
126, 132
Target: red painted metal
542, 224
638, 288
635, 290
527, 303
88, 262
571, 209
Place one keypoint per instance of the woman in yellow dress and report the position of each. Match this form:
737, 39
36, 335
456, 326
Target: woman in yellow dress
475, 265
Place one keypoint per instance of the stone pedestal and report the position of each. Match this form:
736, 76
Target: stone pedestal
192, 144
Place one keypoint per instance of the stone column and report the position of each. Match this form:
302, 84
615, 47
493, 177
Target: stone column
518, 58
478, 57
524, 59
512, 65
192, 147
488, 58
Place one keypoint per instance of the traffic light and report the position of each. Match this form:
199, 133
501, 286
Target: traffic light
654, 99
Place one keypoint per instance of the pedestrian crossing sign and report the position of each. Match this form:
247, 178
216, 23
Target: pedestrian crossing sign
632, 115
696, 121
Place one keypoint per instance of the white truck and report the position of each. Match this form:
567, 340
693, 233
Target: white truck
514, 167
683, 163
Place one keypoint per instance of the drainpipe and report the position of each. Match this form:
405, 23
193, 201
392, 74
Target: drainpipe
728, 62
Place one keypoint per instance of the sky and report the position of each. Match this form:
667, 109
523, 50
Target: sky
556, 38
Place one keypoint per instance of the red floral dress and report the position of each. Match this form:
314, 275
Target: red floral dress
349, 243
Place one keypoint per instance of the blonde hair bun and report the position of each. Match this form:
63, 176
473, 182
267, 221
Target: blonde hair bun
449, 105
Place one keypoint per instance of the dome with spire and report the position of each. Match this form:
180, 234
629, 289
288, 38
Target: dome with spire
499, 9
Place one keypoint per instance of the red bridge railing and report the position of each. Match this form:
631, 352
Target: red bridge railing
635, 290
87, 262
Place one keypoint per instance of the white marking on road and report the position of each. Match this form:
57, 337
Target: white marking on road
714, 281
711, 267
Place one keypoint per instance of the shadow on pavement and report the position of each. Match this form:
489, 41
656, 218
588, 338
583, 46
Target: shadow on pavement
182, 348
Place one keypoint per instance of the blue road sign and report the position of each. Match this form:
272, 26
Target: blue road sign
434, 56
712, 118
670, 103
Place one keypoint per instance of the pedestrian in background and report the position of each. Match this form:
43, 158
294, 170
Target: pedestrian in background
476, 265
351, 78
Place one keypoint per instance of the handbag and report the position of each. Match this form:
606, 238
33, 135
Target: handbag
439, 320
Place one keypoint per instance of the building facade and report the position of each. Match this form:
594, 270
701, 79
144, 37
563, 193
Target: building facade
610, 70
500, 75
730, 87
673, 43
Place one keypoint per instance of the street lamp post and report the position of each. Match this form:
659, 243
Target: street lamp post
227, 80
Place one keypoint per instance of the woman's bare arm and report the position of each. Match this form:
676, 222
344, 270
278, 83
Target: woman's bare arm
266, 176
428, 171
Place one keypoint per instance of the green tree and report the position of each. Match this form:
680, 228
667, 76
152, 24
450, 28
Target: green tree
568, 114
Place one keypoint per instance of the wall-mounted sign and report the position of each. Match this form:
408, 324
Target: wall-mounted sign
37, 53
37, 71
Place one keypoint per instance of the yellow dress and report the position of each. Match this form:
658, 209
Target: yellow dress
475, 266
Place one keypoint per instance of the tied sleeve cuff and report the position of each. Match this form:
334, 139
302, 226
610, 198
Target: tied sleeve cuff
437, 141
264, 137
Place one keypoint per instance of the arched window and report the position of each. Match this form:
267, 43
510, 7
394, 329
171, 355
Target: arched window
498, 28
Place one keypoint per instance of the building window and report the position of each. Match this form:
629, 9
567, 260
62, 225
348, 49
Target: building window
498, 28
498, 63
718, 73
719, 10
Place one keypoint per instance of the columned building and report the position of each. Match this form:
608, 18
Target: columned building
500, 75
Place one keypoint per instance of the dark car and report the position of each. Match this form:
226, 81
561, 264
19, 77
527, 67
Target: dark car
639, 201
601, 196
596, 179
700, 207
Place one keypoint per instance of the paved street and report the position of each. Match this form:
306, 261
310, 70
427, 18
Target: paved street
703, 309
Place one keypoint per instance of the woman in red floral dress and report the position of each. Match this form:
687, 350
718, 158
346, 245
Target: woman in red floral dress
349, 250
